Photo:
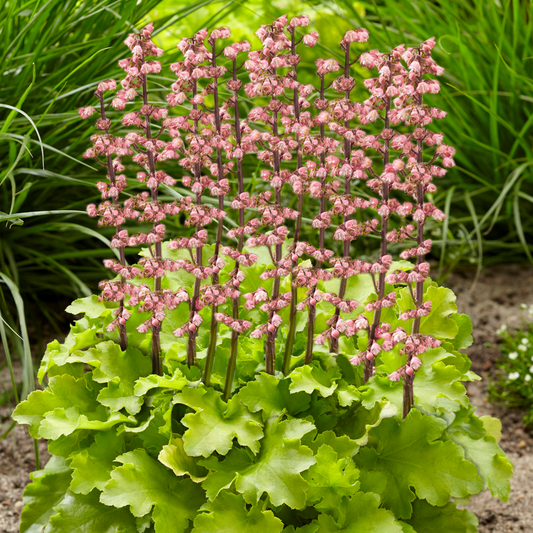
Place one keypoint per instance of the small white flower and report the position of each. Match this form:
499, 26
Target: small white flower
523, 306
522, 347
525, 340
528, 377
513, 355
502, 329
531, 369
513, 375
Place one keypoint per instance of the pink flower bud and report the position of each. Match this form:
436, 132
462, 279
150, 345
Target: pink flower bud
86, 112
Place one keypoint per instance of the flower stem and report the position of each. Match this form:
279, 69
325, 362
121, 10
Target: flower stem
191, 345
234, 346
408, 393
156, 345
334, 345
270, 345
215, 279
369, 364
289, 345
322, 238
112, 179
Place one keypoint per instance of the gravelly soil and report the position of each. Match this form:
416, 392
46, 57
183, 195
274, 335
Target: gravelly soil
494, 300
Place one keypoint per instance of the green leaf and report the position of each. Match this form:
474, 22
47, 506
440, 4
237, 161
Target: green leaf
174, 318
120, 370
63, 392
68, 445
174, 457
309, 528
406, 528
63, 421
436, 387
144, 483
361, 513
466, 422
156, 431
358, 288
362, 420
222, 474
276, 470
438, 323
492, 426
347, 394
330, 479
228, 514
81, 336
91, 307
350, 373
175, 382
271, 396
493, 466
463, 339
343, 446
85, 514
250, 358
407, 454
309, 378
429, 519
216, 423
47, 489
92, 466
278, 466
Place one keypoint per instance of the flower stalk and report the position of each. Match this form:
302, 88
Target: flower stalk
212, 139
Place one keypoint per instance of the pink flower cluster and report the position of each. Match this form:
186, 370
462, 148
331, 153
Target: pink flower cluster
308, 143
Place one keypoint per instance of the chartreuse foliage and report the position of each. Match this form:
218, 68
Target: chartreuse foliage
313, 452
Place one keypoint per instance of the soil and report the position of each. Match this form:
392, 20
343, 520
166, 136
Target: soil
493, 300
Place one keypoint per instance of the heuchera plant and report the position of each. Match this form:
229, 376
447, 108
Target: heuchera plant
239, 378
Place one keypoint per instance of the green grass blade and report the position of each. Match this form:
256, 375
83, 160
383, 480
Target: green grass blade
28, 384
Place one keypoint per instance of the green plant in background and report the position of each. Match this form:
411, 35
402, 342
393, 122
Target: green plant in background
371, 429
513, 386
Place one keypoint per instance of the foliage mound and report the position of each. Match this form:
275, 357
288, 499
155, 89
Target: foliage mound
313, 451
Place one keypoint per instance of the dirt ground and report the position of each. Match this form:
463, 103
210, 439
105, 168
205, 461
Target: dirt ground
493, 301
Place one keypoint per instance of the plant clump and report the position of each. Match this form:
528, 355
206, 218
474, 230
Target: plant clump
238, 377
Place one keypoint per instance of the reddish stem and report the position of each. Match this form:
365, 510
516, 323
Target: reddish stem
322, 238
369, 364
289, 345
334, 344
215, 279
408, 395
112, 179
156, 344
236, 301
191, 345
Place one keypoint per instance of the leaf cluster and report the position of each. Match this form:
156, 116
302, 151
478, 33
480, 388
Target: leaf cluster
313, 452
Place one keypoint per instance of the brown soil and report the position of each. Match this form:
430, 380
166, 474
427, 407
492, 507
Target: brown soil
493, 301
